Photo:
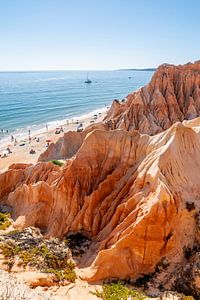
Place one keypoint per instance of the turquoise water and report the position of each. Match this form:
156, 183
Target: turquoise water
33, 99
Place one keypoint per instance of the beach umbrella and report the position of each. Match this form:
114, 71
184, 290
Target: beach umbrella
48, 141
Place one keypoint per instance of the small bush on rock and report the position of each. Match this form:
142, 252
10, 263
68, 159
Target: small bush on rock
118, 291
57, 162
4, 220
28, 248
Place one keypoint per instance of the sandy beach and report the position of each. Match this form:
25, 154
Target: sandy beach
21, 154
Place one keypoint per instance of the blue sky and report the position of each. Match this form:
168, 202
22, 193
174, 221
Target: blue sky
97, 34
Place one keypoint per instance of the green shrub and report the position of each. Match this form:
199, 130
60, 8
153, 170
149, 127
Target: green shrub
45, 256
9, 249
63, 275
28, 257
4, 220
66, 274
57, 162
9, 263
42, 257
13, 232
118, 291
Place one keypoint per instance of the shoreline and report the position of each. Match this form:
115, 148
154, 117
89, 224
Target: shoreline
22, 132
20, 151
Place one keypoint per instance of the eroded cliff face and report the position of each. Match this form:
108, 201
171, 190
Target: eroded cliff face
128, 192
135, 195
172, 95
68, 145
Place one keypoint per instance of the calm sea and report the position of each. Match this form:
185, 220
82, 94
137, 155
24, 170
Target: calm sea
34, 99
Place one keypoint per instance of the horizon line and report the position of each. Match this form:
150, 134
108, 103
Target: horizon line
73, 70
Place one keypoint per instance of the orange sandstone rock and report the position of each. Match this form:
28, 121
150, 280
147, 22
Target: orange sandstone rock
172, 95
127, 191
135, 195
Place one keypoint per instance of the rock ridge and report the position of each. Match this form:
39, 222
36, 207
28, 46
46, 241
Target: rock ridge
131, 184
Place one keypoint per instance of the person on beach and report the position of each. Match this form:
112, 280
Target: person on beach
29, 139
12, 138
32, 151
15, 142
29, 132
8, 149
47, 127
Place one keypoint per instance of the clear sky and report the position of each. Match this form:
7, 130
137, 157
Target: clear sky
97, 34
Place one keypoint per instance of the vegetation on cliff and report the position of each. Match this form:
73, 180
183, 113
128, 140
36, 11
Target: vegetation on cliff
27, 248
119, 291
4, 220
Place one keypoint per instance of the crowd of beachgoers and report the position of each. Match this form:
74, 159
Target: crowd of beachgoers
28, 148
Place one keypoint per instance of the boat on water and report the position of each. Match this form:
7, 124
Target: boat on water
88, 80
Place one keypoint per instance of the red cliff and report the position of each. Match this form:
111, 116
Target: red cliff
172, 95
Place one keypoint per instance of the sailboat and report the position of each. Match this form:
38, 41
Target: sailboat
88, 80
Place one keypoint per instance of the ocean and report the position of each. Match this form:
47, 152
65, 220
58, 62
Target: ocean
30, 100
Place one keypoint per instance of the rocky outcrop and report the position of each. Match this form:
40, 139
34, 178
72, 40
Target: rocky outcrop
135, 195
172, 95
67, 145
13, 289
